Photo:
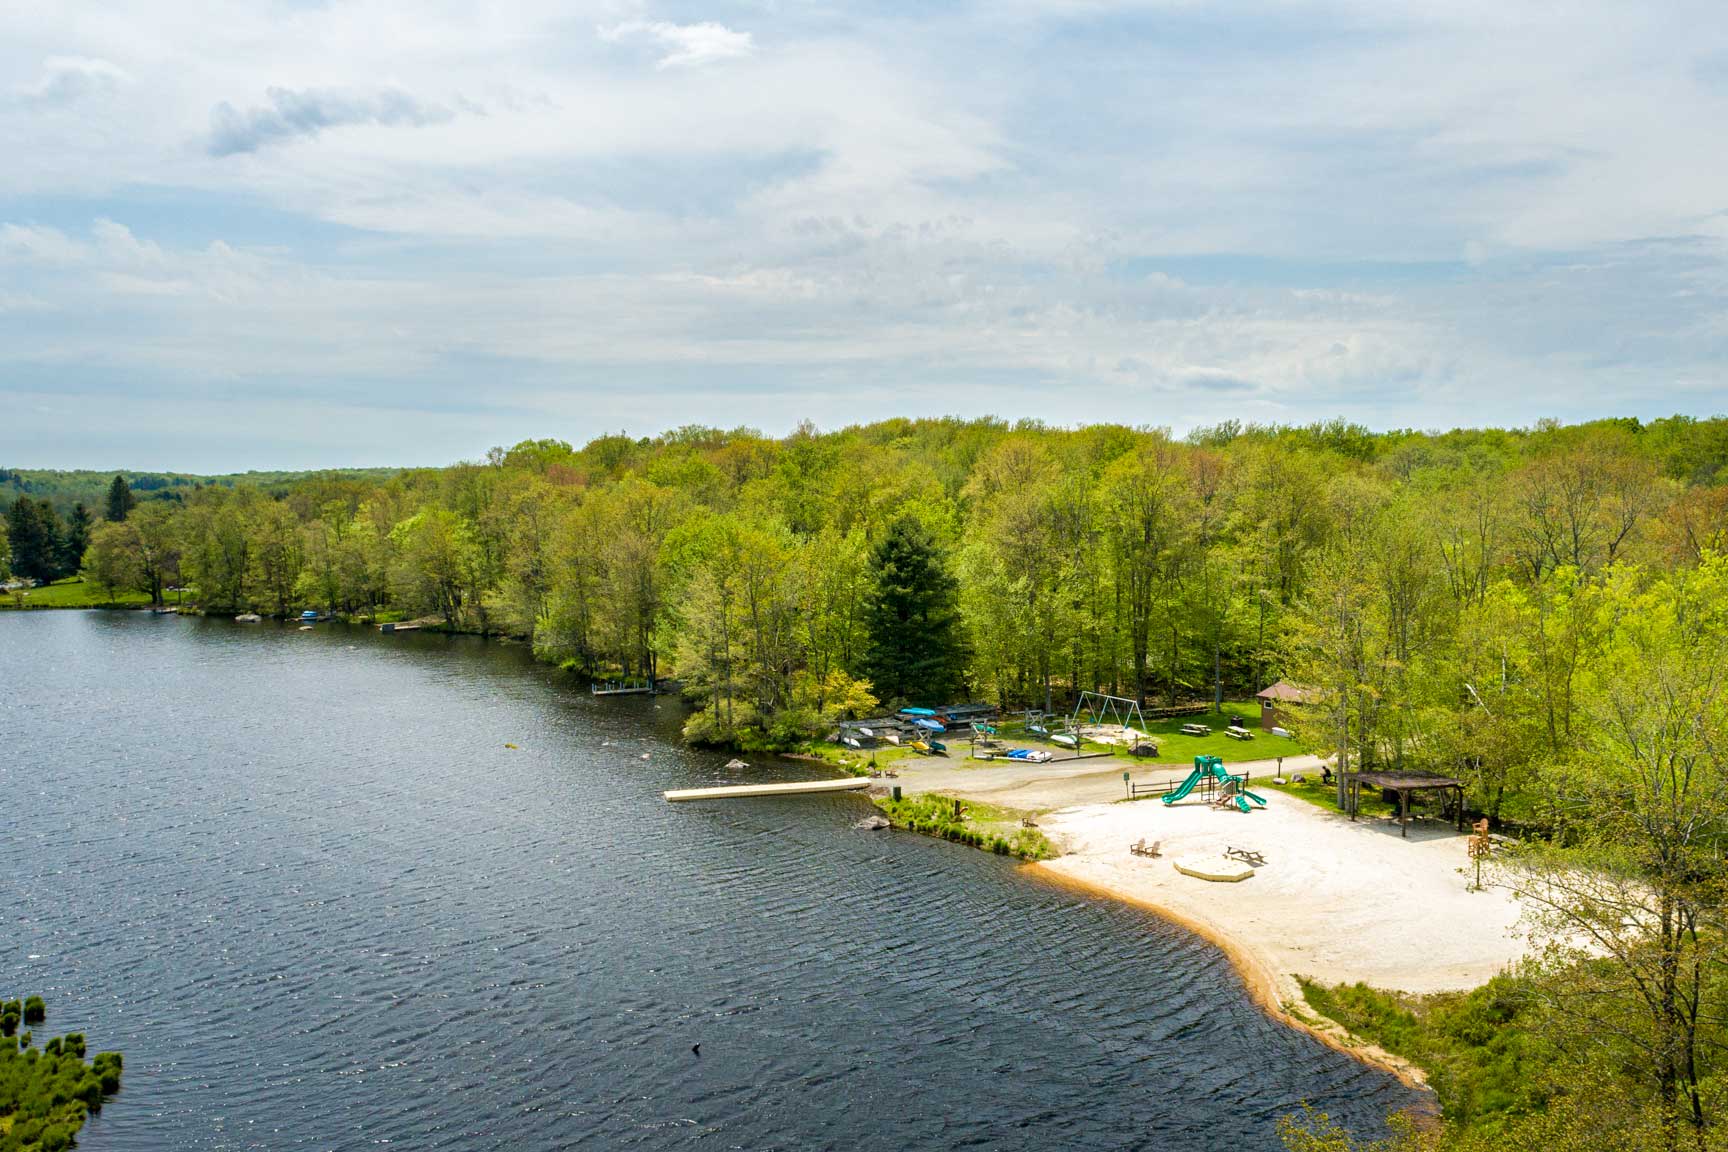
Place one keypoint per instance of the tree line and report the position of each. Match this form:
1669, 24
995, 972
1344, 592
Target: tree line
1381, 570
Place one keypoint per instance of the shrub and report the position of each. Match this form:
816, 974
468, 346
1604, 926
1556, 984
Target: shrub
9, 1024
52, 1048
73, 1043
35, 1011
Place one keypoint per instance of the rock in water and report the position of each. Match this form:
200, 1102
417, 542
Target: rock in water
873, 823
735, 764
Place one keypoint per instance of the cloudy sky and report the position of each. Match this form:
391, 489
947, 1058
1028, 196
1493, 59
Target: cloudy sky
295, 233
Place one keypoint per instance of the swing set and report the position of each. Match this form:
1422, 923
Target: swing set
1101, 710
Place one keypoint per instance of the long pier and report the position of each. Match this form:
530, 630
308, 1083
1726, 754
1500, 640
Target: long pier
730, 791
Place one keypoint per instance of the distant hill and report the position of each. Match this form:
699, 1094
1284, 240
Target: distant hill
65, 488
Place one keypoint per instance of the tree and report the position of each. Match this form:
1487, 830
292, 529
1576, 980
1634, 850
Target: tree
75, 539
114, 561
5, 553
121, 501
36, 540
1631, 901
434, 564
916, 650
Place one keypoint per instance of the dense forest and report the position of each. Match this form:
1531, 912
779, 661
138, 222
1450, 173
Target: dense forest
1407, 577
65, 489
1541, 612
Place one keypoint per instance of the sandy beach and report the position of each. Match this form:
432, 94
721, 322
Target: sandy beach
1336, 900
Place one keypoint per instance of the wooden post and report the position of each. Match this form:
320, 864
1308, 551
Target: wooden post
1404, 813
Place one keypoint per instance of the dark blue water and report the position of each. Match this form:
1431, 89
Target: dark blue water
300, 880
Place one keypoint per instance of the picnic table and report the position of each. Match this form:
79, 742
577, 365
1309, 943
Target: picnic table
1196, 730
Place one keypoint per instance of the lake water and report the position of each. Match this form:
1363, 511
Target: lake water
300, 880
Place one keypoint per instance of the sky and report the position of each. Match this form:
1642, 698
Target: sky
294, 234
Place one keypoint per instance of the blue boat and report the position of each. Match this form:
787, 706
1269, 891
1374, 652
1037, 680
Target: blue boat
930, 724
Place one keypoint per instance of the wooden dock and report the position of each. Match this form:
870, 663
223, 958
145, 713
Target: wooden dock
624, 687
404, 626
797, 787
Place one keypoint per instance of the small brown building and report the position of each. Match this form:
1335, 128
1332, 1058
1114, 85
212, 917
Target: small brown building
1272, 699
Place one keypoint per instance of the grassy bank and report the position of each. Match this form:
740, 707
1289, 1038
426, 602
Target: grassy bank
73, 592
1480, 1060
984, 826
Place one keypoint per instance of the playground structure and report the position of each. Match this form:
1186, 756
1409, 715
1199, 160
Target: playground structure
1219, 787
1106, 719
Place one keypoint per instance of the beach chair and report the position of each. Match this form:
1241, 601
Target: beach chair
1247, 856
1141, 848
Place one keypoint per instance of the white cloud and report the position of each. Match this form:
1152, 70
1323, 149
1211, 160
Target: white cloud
66, 80
307, 112
683, 44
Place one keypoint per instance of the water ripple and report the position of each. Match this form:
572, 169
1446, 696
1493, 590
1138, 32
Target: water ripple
300, 880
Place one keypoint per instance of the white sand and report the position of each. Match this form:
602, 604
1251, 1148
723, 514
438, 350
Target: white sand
1336, 901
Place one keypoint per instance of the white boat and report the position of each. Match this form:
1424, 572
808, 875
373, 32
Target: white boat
248, 618
1066, 740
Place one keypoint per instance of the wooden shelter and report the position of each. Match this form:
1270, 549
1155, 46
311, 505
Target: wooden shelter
1282, 692
1404, 783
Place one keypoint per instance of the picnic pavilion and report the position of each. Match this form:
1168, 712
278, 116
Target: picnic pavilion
1404, 783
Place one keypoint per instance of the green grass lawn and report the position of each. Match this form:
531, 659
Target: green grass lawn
73, 592
1175, 748
1326, 796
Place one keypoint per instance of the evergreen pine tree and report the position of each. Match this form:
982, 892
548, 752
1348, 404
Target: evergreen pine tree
120, 499
75, 540
35, 535
917, 654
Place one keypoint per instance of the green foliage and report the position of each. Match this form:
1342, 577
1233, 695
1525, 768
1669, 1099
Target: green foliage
976, 825
120, 501
917, 653
1481, 1056
37, 540
45, 1094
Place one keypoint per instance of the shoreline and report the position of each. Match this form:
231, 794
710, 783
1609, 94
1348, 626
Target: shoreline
1272, 992
1337, 901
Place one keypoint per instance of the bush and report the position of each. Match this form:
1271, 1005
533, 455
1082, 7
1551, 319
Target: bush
9, 1024
73, 1043
52, 1048
35, 1011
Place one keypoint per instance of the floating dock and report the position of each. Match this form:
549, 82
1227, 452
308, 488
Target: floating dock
623, 690
403, 626
797, 787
